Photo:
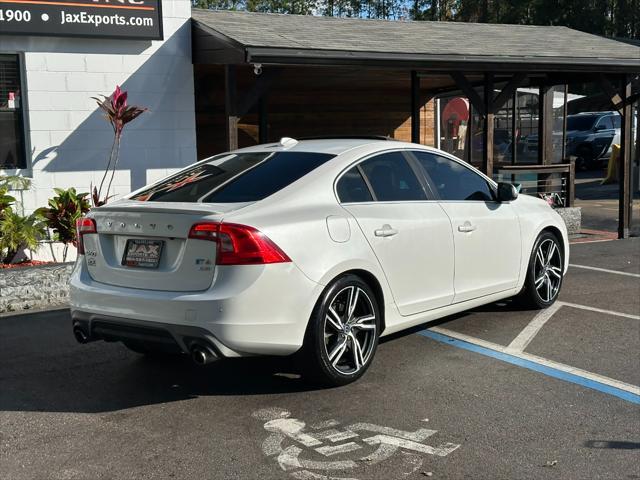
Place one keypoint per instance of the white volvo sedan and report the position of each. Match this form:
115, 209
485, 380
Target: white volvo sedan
311, 247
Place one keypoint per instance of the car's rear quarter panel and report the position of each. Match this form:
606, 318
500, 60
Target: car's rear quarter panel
296, 220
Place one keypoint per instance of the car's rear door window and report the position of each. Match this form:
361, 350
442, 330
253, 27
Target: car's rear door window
392, 178
232, 178
351, 187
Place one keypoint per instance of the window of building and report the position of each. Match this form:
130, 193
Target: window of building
12, 150
452, 180
392, 179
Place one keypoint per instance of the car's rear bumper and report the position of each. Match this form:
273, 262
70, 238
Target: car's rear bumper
161, 336
249, 310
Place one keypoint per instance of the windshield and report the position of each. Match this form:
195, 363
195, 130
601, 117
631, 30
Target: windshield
580, 123
233, 178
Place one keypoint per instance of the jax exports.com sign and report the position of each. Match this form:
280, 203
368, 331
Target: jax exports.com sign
88, 18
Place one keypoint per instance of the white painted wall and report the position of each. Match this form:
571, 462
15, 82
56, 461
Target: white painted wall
69, 140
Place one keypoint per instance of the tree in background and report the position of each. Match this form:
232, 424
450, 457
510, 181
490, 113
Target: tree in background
295, 7
613, 18
220, 4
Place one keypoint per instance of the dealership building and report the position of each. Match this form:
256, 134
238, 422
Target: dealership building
218, 80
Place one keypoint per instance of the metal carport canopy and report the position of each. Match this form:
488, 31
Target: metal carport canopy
227, 37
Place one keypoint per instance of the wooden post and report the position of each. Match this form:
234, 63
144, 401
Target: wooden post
514, 127
564, 123
230, 106
487, 153
571, 185
636, 160
468, 141
624, 172
415, 107
263, 123
545, 125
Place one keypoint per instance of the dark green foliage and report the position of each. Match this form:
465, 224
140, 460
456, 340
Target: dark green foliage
613, 18
10, 182
18, 232
63, 211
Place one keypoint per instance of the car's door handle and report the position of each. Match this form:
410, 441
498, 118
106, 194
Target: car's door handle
385, 231
466, 227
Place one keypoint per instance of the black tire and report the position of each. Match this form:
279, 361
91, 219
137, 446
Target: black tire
537, 296
585, 158
317, 365
581, 164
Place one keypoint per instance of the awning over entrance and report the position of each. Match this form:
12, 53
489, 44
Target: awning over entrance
235, 37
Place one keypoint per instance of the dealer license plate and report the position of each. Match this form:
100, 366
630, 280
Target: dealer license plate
142, 253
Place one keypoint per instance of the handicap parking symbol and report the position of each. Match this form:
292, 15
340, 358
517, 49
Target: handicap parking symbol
313, 452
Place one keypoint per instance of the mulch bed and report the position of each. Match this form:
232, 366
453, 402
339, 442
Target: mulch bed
31, 263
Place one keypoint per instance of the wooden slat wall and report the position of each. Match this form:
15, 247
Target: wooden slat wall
312, 102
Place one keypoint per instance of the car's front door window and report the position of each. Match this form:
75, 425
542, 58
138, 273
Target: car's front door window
604, 124
453, 181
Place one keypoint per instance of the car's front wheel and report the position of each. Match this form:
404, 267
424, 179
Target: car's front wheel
545, 273
343, 331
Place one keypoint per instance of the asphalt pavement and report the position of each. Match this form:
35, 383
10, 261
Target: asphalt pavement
599, 203
490, 398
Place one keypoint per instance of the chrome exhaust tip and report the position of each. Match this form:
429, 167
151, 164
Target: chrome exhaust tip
202, 355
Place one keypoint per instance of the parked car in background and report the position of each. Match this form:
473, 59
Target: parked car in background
313, 247
590, 136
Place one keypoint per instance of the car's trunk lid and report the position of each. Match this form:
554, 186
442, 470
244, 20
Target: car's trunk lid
127, 230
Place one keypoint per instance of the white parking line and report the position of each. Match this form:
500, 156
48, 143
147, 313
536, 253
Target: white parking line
525, 337
605, 270
633, 389
531, 330
600, 310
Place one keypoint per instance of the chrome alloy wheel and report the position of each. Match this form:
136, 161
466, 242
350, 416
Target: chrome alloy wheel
349, 330
548, 270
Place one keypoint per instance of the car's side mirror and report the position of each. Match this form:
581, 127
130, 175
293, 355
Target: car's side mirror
507, 192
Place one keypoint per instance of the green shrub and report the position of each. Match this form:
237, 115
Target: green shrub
63, 211
18, 232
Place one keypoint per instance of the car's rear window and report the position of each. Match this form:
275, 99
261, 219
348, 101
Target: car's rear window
231, 178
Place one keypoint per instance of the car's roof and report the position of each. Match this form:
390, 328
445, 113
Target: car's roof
334, 146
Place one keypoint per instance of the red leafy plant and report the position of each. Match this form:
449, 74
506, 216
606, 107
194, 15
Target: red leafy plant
118, 113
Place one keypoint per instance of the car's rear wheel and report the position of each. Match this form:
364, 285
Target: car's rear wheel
343, 331
544, 274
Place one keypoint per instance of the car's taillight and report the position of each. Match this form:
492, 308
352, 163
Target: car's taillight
83, 226
239, 244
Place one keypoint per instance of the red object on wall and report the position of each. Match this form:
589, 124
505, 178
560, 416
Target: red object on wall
455, 111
